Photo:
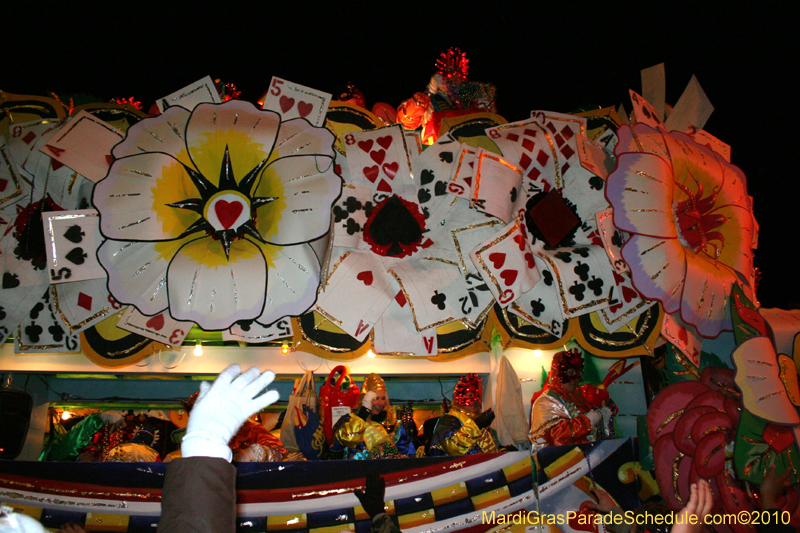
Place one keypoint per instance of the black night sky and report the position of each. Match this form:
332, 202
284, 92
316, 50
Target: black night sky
555, 56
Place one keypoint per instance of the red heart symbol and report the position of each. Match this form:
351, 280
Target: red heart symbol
365, 145
371, 173
529, 260
378, 156
390, 169
778, 437
156, 323
3, 184
386, 142
619, 280
520, 240
628, 293
228, 212
384, 186
506, 297
497, 259
366, 277
56, 164
286, 103
615, 308
305, 108
509, 276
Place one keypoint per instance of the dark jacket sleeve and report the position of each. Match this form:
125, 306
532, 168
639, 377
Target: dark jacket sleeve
199, 496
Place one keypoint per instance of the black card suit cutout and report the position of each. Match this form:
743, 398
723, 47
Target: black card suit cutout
583, 252
10, 280
513, 195
339, 214
2, 313
596, 183
352, 204
394, 225
352, 226
596, 284
77, 256
582, 271
438, 300
57, 332
537, 307
33, 332
74, 234
38, 308
577, 290
423, 196
564, 256
440, 188
548, 277
245, 324
617, 239
446, 157
426, 176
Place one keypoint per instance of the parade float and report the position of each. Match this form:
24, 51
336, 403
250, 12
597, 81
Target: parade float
142, 251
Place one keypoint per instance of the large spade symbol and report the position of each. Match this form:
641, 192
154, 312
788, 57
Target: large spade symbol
394, 225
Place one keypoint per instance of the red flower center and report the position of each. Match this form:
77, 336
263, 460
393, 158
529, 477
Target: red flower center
696, 221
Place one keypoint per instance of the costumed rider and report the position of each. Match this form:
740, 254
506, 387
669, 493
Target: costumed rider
464, 429
566, 412
374, 431
252, 443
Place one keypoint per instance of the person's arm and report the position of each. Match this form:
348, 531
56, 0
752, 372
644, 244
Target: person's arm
699, 505
771, 489
200, 488
372, 500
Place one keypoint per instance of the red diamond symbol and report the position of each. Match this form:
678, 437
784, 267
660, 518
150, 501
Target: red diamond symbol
551, 127
542, 158
513, 137
525, 161
567, 132
401, 298
85, 301
567, 151
529, 133
29, 137
528, 145
559, 139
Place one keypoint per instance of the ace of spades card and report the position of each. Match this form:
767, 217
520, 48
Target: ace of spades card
160, 327
254, 333
506, 263
643, 112
496, 186
434, 169
381, 158
200, 92
584, 276
72, 238
395, 333
357, 292
84, 144
82, 304
41, 331
293, 100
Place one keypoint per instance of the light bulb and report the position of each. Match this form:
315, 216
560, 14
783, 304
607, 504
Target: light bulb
285, 348
65, 415
370, 354
198, 349
537, 353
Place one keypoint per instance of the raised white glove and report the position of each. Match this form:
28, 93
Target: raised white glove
606, 412
368, 397
222, 408
594, 417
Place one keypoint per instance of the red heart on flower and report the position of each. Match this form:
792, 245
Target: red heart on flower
509, 276
366, 277
305, 108
497, 259
385, 142
286, 103
378, 156
371, 173
390, 169
778, 437
365, 145
156, 323
228, 212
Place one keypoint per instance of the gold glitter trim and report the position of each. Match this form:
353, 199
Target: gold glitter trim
559, 182
447, 261
335, 266
566, 309
533, 321
453, 233
319, 345
477, 173
329, 317
637, 334
675, 477
504, 235
667, 420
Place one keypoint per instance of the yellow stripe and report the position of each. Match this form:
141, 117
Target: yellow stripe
518, 470
287, 521
487, 499
334, 529
450, 494
106, 522
416, 519
30, 510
